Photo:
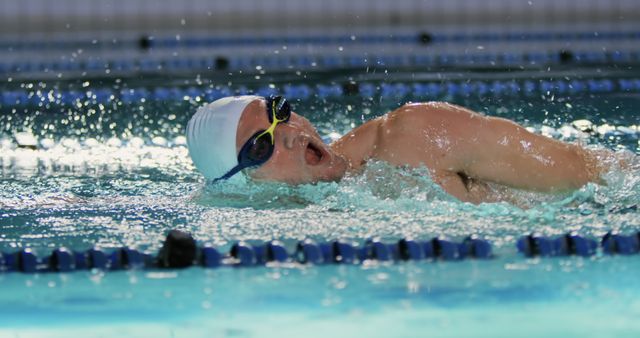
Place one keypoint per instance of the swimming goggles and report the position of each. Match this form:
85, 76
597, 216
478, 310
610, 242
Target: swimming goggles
259, 148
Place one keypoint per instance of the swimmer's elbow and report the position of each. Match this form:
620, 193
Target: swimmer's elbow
593, 164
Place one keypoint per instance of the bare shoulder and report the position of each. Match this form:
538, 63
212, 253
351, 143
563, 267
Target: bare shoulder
417, 114
433, 134
414, 134
358, 144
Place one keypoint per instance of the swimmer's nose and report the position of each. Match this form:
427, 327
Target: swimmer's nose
289, 137
289, 142
291, 133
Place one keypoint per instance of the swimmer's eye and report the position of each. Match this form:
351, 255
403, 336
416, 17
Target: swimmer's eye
280, 107
261, 149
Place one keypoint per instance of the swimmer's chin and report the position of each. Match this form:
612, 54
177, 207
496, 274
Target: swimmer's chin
337, 177
333, 171
311, 181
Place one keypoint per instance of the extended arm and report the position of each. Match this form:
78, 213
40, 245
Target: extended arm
501, 151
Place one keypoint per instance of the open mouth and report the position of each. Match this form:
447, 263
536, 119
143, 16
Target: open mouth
313, 154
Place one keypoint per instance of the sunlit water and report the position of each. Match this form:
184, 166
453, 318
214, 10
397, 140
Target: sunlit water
120, 175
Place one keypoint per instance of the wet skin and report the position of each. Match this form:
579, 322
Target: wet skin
463, 151
300, 155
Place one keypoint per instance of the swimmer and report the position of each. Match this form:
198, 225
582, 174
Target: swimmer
466, 153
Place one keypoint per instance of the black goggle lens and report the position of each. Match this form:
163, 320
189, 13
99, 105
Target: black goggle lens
260, 149
281, 106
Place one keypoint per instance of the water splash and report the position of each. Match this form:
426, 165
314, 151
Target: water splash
120, 174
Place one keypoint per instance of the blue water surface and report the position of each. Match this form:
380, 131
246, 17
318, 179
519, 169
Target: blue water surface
119, 174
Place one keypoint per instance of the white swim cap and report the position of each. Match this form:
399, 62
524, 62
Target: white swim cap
211, 135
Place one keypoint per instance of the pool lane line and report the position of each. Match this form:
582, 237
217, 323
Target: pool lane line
612, 243
180, 250
428, 90
144, 65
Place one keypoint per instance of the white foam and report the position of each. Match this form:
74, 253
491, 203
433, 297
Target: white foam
583, 125
91, 142
159, 141
25, 139
6, 143
605, 129
136, 142
70, 155
70, 143
180, 141
114, 142
549, 131
626, 130
569, 132
47, 143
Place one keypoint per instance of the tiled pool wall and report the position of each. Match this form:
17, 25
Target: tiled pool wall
71, 38
115, 17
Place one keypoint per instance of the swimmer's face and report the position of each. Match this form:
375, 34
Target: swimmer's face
299, 155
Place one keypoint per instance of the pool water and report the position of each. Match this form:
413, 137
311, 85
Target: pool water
115, 171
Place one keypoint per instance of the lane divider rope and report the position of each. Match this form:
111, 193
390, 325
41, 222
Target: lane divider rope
573, 244
426, 90
180, 250
221, 62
